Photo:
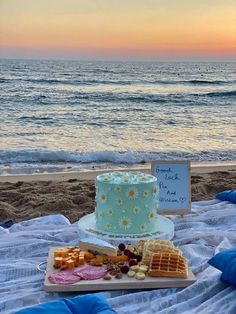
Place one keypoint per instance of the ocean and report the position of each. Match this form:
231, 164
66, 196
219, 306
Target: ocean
71, 115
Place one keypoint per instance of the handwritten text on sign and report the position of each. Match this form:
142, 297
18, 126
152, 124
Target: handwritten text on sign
173, 179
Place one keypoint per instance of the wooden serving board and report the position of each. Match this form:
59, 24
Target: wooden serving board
114, 284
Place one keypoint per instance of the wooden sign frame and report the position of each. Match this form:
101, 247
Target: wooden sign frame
180, 210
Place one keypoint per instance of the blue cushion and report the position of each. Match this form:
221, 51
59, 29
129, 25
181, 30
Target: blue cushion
226, 262
229, 195
87, 304
7, 223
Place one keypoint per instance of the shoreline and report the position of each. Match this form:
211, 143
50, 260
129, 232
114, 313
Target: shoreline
196, 168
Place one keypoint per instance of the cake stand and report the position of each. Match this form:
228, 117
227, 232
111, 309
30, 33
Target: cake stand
164, 231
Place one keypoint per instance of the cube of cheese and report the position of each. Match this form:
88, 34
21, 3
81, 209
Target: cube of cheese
69, 264
76, 250
58, 261
81, 258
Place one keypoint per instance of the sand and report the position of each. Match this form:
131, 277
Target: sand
73, 195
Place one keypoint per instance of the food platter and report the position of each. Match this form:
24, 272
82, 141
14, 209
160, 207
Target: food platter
115, 284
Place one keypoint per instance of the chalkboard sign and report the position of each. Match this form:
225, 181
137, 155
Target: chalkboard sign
174, 183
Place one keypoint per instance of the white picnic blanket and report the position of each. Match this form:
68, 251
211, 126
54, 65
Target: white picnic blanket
210, 227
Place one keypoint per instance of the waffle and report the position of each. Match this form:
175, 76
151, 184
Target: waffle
168, 265
154, 241
157, 246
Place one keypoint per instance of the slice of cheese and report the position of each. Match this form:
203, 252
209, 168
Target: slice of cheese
97, 246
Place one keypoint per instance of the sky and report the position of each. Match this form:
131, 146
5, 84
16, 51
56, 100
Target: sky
118, 29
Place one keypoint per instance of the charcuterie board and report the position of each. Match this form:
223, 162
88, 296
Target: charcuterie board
115, 284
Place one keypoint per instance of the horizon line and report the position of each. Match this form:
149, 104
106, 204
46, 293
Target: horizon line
117, 60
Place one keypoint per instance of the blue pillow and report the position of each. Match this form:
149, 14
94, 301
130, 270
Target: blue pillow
226, 262
229, 195
87, 304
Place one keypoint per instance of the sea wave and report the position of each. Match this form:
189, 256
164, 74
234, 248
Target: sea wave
124, 157
166, 98
4, 80
231, 93
200, 82
148, 97
74, 81
193, 82
78, 82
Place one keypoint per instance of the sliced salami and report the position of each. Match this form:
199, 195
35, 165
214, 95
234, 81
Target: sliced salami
64, 277
88, 272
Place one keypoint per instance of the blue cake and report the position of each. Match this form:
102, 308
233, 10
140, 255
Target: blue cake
126, 203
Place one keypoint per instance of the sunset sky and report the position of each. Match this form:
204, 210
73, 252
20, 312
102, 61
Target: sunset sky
118, 29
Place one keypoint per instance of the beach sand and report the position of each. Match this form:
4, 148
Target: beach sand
73, 194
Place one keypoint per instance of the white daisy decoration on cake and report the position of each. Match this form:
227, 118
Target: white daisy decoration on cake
126, 180
132, 193
125, 223
136, 210
143, 227
151, 216
119, 201
155, 190
103, 198
143, 178
106, 178
102, 176
117, 188
108, 226
110, 211
101, 215
145, 194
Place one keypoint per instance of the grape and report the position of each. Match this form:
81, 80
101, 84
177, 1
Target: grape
121, 247
138, 258
132, 255
127, 253
124, 269
133, 262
